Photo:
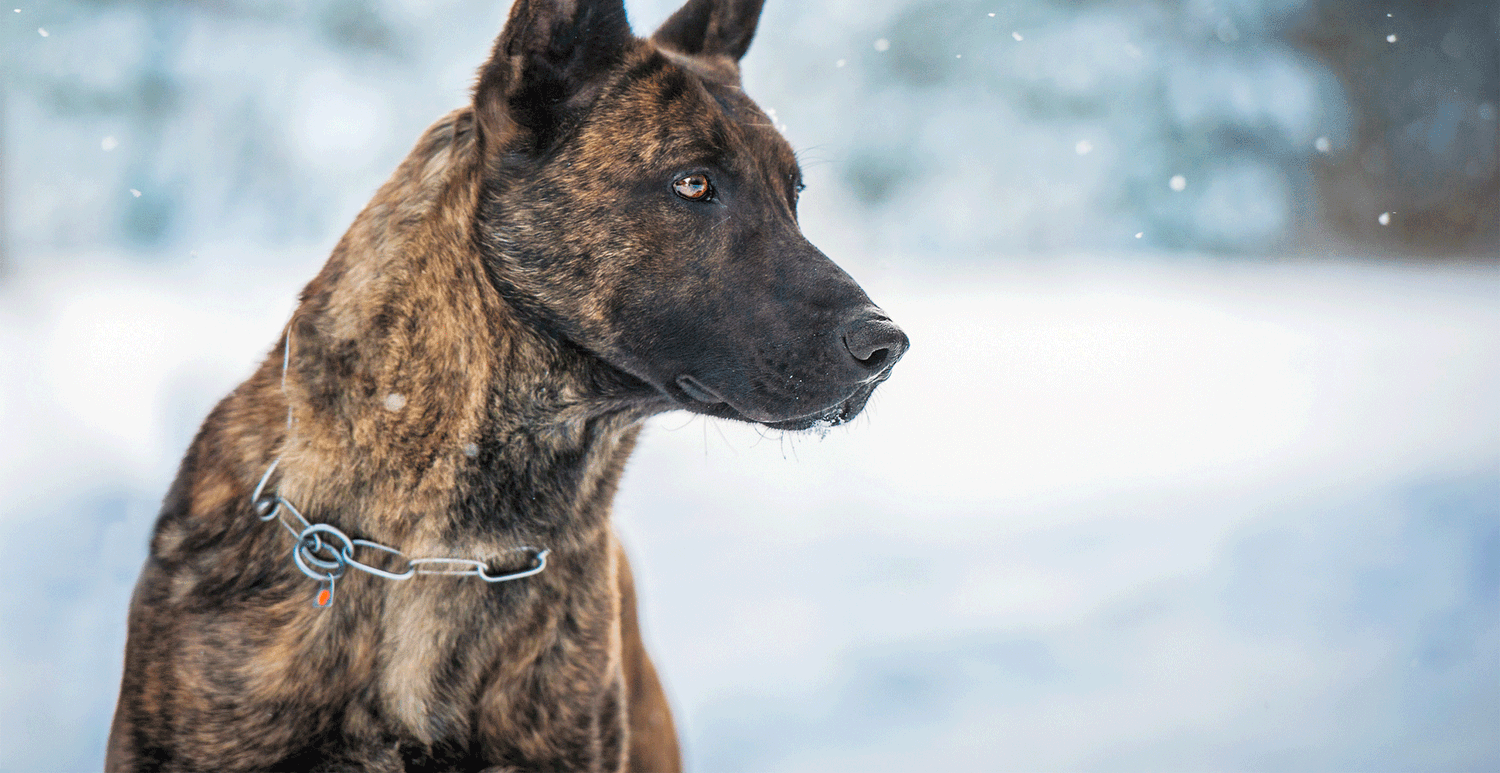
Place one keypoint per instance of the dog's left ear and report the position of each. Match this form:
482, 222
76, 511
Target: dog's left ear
711, 28
546, 66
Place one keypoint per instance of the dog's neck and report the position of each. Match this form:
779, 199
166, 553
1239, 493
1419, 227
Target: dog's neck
425, 414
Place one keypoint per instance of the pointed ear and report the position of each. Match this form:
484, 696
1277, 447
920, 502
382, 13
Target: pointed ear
546, 66
711, 28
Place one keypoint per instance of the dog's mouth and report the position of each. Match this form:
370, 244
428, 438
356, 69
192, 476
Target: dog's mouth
697, 391
699, 398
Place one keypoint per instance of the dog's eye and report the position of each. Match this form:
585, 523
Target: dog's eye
693, 187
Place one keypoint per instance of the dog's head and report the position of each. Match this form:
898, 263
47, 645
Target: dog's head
639, 204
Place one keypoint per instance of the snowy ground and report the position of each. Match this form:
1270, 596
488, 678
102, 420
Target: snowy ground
1155, 514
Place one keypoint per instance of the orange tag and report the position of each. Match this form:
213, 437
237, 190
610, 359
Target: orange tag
325, 597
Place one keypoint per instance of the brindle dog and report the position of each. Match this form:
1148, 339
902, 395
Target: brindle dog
608, 232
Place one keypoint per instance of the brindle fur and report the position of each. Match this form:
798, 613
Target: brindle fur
468, 373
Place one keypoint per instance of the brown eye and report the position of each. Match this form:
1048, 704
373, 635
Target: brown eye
693, 187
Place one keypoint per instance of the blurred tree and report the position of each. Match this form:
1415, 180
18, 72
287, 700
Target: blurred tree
1422, 171
146, 122
1230, 126
1078, 125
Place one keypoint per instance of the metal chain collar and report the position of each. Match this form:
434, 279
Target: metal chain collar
323, 552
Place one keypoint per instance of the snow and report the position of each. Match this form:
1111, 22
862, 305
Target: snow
1104, 514
1148, 514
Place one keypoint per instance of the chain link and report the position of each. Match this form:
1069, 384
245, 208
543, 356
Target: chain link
323, 552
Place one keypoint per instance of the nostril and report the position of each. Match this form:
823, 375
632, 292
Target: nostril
876, 359
875, 344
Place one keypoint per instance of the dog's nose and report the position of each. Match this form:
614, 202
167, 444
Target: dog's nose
875, 343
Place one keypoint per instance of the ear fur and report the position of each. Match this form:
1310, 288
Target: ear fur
544, 61
711, 28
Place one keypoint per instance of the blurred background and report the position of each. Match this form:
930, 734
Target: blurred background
1194, 463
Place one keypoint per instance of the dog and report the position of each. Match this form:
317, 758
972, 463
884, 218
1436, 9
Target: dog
606, 233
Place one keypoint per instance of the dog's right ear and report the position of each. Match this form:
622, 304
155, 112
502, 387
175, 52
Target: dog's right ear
545, 65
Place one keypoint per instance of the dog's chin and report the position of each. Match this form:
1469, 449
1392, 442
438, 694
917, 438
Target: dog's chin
833, 416
695, 397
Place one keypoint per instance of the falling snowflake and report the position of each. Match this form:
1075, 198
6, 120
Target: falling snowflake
1083, 148
1322, 144
840, 63
1177, 183
42, 31
1139, 234
1384, 219
882, 44
1391, 38
109, 143
135, 193
1017, 36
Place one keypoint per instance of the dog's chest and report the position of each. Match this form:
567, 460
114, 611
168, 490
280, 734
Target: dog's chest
459, 686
